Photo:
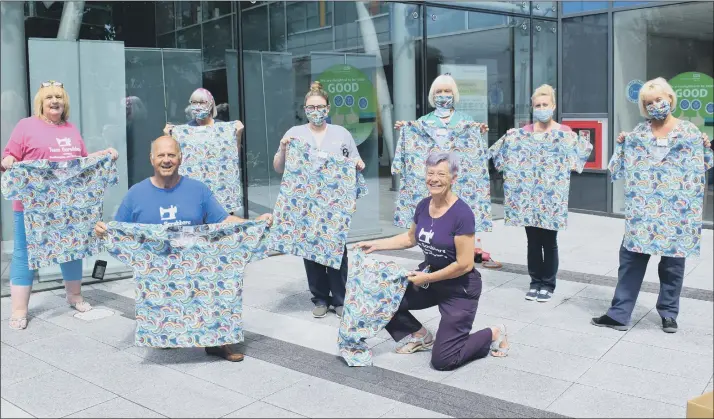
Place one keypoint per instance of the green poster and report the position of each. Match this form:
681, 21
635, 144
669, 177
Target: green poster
695, 97
352, 100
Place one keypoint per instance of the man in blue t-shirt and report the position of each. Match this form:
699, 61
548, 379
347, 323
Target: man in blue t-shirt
171, 199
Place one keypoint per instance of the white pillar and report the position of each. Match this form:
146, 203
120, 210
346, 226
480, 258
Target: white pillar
71, 22
13, 85
403, 69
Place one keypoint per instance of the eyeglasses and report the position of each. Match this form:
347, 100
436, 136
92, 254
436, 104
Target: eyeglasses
198, 102
51, 83
311, 108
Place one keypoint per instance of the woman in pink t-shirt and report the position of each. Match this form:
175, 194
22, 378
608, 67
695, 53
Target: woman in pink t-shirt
48, 135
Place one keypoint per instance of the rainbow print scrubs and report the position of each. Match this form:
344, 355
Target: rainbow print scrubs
63, 201
536, 170
664, 189
189, 280
313, 212
374, 291
210, 155
416, 141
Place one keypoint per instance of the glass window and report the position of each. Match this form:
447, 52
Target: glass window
254, 24
629, 3
215, 9
190, 13
165, 17
545, 53
189, 38
495, 59
523, 7
315, 50
217, 38
585, 64
545, 8
278, 41
569, 7
674, 42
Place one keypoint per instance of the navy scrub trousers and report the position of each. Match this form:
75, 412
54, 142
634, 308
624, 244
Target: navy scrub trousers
324, 281
630, 276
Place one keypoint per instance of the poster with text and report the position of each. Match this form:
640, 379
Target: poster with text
695, 92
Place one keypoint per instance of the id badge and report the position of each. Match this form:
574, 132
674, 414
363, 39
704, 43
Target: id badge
661, 142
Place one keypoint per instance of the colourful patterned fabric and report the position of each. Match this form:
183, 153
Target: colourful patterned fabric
318, 196
210, 155
536, 170
416, 141
63, 200
189, 280
374, 291
664, 191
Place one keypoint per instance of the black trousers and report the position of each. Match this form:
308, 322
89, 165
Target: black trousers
327, 285
542, 257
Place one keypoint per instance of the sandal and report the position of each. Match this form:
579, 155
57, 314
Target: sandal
415, 344
18, 323
81, 306
492, 264
496, 344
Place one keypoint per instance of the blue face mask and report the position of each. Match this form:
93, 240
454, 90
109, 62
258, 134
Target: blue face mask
317, 116
443, 104
543, 115
659, 110
199, 111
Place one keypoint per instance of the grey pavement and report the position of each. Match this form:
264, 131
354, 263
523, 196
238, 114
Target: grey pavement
68, 364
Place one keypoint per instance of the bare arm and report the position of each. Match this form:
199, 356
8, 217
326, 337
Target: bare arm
398, 242
279, 159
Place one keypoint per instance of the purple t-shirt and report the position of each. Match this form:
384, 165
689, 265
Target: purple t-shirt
435, 236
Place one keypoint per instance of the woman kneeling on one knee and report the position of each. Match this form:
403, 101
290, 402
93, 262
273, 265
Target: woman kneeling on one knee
444, 228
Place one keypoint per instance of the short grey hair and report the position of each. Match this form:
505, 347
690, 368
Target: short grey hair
436, 157
447, 81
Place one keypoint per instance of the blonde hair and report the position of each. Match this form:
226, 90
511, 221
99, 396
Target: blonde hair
544, 90
206, 96
447, 80
317, 90
656, 85
43, 92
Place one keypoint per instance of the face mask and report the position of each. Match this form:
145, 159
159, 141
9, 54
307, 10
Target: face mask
317, 117
199, 111
543, 115
443, 104
659, 110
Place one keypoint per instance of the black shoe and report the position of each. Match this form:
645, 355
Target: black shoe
669, 325
606, 321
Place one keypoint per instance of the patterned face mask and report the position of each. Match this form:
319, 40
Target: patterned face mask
659, 110
443, 104
199, 111
543, 115
317, 116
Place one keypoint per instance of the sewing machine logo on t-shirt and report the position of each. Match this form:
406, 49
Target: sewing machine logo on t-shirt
168, 214
64, 145
345, 151
425, 236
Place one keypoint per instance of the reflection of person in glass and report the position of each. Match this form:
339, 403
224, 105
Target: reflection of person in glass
167, 189
444, 228
646, 233
37, 138
326, 284
543, 243
203, 111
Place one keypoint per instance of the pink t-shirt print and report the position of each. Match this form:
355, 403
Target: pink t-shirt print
35, 139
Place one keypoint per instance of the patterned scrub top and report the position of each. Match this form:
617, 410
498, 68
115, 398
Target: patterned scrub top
62, 200
210, 155
416, 141
313, 212
536, 170
664, 189
189, 280
374, 291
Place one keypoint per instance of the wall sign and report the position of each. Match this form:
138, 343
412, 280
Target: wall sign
694, 99
633, 90
594, 130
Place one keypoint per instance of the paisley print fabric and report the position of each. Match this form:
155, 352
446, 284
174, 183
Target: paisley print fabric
210, 155
189, 280
664, 190
63, 200
318, 196
374, 291
416, 141
536, 170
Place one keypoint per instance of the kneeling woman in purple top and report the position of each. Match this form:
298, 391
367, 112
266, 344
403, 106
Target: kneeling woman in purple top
444, 228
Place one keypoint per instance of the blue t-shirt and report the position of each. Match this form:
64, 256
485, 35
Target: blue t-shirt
190, 202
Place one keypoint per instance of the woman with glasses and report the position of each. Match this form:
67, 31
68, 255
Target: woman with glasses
326, 284
38, 138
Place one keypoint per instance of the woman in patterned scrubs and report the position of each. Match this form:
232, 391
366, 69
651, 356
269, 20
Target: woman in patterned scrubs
326, 284
47, 135
653, 227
